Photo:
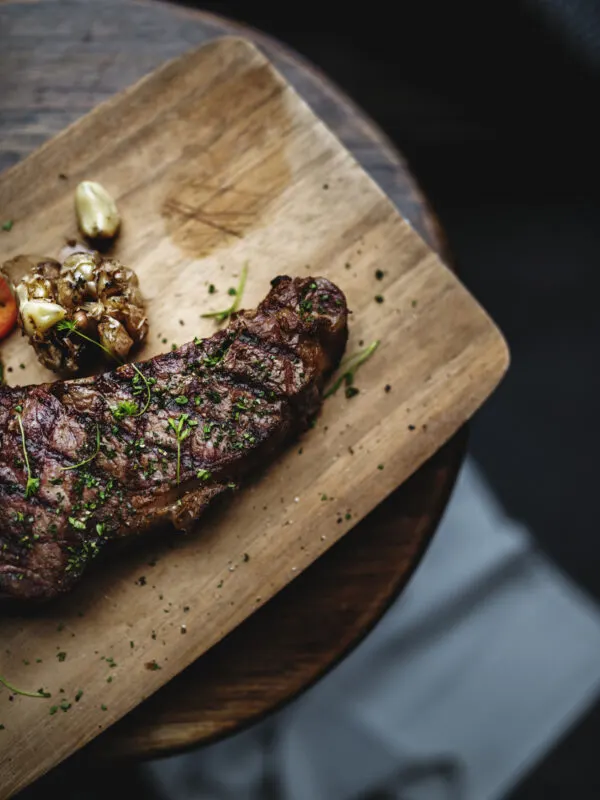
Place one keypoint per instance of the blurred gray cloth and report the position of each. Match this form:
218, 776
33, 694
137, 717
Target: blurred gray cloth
486, 659
576, 23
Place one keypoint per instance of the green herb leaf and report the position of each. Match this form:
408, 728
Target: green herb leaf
32, 486
7, 225
126, 408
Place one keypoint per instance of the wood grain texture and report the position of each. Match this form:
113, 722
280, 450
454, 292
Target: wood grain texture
279, 650
276, 652
217, 162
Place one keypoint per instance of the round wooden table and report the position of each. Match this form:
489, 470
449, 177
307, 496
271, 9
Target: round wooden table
58, 60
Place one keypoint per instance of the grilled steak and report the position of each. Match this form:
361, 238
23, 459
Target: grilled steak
87, 461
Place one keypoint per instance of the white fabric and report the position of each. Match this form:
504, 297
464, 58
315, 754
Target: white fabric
471, 676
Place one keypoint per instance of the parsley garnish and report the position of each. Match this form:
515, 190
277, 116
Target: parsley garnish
33, 484
126, 408
7, 225
203, 474
348, 370
221, 316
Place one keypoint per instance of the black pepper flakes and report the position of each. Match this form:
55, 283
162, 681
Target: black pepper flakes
379, 298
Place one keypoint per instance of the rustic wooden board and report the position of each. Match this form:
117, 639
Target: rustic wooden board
215, 161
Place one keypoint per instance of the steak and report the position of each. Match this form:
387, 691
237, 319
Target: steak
86, 462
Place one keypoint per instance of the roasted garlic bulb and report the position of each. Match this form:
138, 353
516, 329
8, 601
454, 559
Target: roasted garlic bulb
88, 297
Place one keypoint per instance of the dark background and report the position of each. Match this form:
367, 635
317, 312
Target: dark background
494, 104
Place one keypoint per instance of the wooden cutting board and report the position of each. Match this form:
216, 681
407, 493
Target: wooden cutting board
215, 161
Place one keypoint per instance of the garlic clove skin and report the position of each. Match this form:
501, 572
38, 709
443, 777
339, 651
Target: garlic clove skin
97, 213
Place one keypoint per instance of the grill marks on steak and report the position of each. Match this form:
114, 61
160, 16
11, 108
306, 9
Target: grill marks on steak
246, 390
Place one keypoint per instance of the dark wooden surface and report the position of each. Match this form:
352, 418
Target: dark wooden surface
59, 59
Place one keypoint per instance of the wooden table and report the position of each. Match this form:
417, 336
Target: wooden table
58, 60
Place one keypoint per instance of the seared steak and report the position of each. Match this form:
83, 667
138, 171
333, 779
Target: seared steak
115, 455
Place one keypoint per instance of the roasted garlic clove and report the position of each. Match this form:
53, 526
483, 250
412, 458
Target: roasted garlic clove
97, 212
38, 316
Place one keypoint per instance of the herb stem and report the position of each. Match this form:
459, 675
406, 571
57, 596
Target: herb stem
221, 316
349, 367
91, 458
14, 690
33, 484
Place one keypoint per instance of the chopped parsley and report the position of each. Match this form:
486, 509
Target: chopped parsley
7, 225
126, 408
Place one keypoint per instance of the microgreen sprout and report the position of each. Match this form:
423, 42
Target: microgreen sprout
40, 693
348, 369
181, 430
221, 316
33, 484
